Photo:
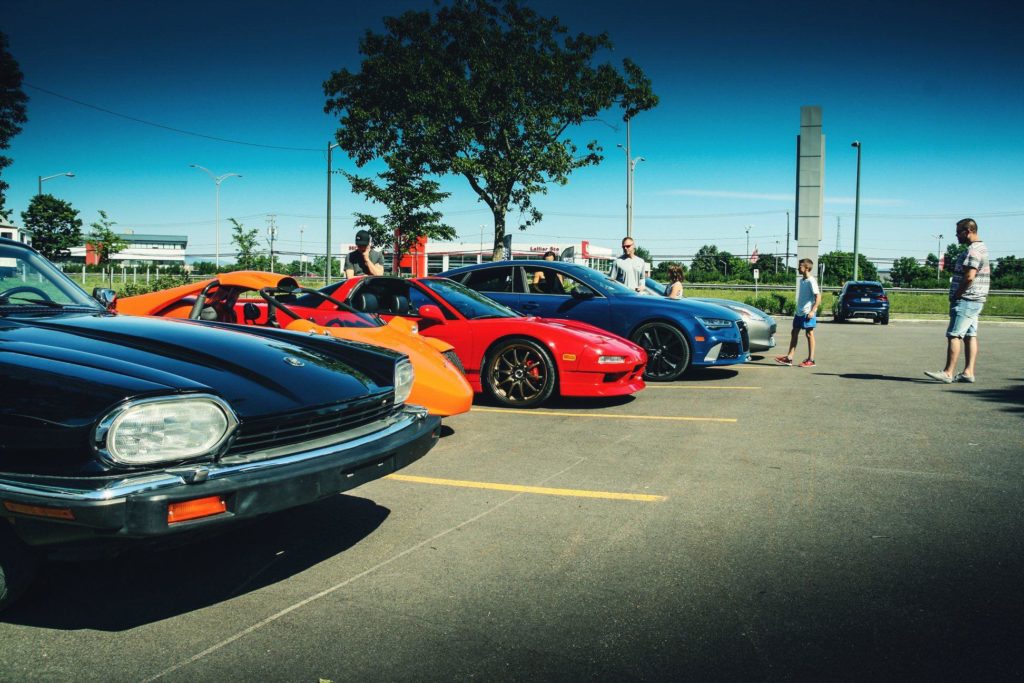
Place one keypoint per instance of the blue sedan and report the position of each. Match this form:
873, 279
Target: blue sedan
675, 334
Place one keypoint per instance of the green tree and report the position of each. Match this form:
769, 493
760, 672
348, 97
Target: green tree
105, 242
1008, 273
486, 91
705, 263
12, 110
246, 244
407, 196
905, 270
839, 268
952, 253
54, 225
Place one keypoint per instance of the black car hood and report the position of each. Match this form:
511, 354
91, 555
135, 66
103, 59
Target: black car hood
110, 358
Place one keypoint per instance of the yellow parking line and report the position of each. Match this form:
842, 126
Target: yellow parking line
541, 490
553, 413
658, 386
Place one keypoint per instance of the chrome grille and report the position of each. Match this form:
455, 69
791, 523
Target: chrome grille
308, 425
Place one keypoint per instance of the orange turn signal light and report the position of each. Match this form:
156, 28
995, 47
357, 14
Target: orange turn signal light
39, 510
699, 338
568, 356
194, 509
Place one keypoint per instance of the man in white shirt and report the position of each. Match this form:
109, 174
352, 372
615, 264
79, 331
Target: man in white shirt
629, 268
808, 299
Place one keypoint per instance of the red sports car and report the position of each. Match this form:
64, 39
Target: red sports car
519, 360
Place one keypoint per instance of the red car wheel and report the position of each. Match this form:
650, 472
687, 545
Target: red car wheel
519, 373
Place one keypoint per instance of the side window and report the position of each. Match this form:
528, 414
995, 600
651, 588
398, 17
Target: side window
491, 280
541, 280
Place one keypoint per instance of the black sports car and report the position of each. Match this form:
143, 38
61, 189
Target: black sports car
115, 427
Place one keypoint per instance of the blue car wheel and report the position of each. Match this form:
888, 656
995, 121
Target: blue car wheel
668, 351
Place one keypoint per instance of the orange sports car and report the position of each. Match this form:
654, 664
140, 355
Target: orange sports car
269, 299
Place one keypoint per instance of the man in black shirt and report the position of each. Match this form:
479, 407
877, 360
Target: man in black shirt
363, 261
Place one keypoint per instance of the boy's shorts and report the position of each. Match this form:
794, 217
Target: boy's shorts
963, 319
802, 322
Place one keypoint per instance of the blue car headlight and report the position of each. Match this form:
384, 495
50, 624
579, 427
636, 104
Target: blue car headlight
714, 323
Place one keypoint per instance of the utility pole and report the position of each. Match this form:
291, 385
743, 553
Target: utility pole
271, 234
327, 267
748, 242
787, 241
839, 220
302, 254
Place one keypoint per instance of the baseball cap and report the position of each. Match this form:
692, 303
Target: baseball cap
362, 238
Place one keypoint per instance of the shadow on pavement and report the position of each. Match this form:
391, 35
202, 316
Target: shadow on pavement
870, 376
1011, 398
145, 584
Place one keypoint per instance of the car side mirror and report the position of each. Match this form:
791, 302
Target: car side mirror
431, 313
106, 297
581, 293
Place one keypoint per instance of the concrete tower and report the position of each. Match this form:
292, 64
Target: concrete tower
810, 184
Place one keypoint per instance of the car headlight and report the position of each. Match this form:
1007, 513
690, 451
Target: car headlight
611, 359
714, 323
165, 429
404, 376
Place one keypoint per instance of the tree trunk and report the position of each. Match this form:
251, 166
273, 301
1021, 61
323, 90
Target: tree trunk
499, 233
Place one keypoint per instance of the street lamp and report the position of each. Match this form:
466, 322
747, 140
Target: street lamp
42, 179
725, 262
217, 180
856, 218
748, 240
938, 257
631, 163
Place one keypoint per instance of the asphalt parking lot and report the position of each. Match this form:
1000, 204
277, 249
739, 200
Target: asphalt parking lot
848, 521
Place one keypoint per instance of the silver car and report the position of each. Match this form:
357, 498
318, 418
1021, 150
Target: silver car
760, 326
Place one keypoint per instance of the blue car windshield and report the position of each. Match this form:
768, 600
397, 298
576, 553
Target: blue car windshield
469, 303
29, 281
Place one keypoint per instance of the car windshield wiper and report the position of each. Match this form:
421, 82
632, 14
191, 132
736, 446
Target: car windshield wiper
489, 315
4, 301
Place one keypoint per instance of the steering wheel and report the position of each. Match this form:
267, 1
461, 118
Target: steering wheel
25, 289
274, 304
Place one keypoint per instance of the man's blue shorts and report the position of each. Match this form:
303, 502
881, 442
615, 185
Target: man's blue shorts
963, 318
802, 322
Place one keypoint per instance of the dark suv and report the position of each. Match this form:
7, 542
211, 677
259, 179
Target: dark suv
861, 299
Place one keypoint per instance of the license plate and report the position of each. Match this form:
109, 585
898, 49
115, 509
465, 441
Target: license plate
865, 299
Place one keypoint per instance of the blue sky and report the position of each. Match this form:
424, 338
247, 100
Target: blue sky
933, 91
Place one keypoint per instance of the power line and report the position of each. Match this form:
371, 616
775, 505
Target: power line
170, 128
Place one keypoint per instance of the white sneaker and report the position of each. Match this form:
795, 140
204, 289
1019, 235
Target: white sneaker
940, 376
961, 377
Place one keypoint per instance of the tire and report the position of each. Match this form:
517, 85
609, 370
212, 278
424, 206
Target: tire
17, 566
837, 318
454, 359
519, 373
668, 351
885, 320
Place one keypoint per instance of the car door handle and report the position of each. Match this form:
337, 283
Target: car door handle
530, 307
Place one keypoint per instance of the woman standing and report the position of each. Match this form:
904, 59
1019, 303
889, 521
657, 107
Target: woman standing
675, 282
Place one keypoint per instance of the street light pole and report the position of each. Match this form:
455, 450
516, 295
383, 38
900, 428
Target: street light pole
42, 179
217, 180
327, 269
938, 257
856, 218
630, 169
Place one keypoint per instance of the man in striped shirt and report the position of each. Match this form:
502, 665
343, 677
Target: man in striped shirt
967, 293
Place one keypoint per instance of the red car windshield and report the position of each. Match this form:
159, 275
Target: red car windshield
469, 303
